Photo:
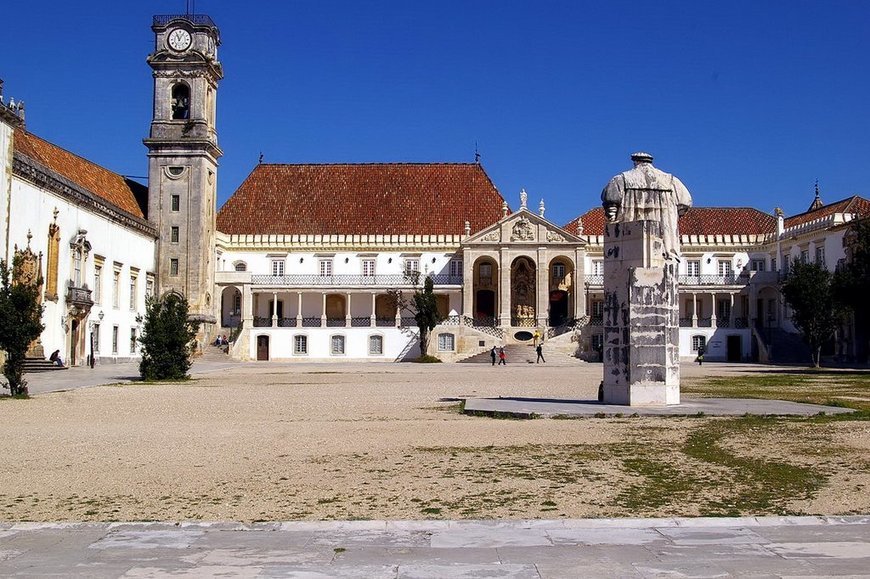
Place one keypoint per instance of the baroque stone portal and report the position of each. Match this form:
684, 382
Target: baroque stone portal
641, 306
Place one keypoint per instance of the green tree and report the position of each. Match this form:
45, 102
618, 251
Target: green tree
426, 312
20, 324
852, 282
167, 338
816, 313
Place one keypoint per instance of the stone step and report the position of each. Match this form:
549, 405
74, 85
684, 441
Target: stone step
35, 365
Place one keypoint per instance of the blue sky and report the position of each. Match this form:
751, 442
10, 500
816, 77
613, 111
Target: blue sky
748, 102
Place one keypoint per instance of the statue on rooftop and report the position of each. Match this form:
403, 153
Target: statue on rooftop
648, 194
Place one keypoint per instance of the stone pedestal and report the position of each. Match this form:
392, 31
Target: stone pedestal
641, 317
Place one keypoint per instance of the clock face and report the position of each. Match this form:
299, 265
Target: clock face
179, 39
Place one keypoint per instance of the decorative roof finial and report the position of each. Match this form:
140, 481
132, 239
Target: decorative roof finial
29, 237
541, 208
467, 228
55, 213
524, 197
476, 154
504, 209
260, 160
817, 202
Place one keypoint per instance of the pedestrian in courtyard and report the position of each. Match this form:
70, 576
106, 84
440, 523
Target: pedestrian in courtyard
502, 359
540, 352
701, 350
493, 354
536, 336
55, 357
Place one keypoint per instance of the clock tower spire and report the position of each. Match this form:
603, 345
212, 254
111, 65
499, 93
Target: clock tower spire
183, 157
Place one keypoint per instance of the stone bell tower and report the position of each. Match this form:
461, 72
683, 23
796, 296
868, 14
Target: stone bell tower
183, 157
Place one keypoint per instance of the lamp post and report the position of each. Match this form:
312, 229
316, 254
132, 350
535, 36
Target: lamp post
93, 326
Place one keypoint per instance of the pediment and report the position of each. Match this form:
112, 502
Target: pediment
522, 227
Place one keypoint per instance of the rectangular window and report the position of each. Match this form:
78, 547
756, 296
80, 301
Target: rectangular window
116, 287
237, 304
132, 340
597, 309
412, 265
786, 263
173, 266
723, 267
724, 310
805, 256
558, 271
486, 273
820, 256
175, 203
757, 265
772, 264
98, 284
149, 286
336, 347
368, 267
693, 268
96, 335
597, 267
300, 345
376, 345
77, 267
325, 266
114, 339
173, 234
277, 267
597, 342
698, 342
455, 268
445, 342
134, 282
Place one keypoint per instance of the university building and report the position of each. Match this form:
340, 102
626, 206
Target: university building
314, 262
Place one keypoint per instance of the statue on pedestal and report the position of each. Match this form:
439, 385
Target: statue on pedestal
648, 194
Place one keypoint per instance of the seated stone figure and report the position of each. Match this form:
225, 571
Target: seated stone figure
648, 194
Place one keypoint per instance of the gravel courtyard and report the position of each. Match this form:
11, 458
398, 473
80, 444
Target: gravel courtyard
386, 441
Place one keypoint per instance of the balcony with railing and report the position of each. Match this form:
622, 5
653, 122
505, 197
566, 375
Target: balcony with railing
349, 281
79, 297
742, 279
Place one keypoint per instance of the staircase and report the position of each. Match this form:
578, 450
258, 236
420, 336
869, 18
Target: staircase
787, 348
36, 365
525, 354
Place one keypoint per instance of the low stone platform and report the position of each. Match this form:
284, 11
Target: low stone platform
548, 408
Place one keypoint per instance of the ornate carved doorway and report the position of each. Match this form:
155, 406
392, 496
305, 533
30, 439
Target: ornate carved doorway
523, 292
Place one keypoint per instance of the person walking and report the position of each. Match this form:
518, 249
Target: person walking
493, 354
502, 359
701, 350
536, 337
540, 351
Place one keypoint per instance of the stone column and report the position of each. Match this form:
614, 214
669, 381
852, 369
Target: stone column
504, 291
542, 291
373, 320
274, 309
694, 310
468, 285
299, 310
641, 317
579, 286
347, 314
323, 310
247, 307
713, 311
731, 311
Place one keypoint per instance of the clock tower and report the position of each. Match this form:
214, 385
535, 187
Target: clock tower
183, 157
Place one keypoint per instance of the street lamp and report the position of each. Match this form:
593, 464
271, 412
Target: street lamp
101, 315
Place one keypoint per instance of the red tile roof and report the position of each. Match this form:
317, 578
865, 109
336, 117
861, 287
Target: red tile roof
698, 221
89, 176
359, 199
854, 204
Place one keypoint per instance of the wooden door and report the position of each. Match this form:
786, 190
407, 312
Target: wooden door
262, 347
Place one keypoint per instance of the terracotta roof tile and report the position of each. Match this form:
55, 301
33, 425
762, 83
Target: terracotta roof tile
854, 204
698, 221
359, 199
95, 179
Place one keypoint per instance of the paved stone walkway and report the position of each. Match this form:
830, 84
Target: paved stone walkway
757, 547
532, 407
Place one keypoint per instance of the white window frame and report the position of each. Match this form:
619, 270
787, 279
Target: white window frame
115, 340
134, 291
756, 264
412, 265
333, 351
699, 340
369, 266
820, 255
597, 267
693, 268
559, 270
324, 267
446, 339
116, 288
133, 341
597, 309
240, 266
277, 268
300, 339
455, 268
724, 268
98, 284
805, 256
96, 335
149, 285
379, 338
